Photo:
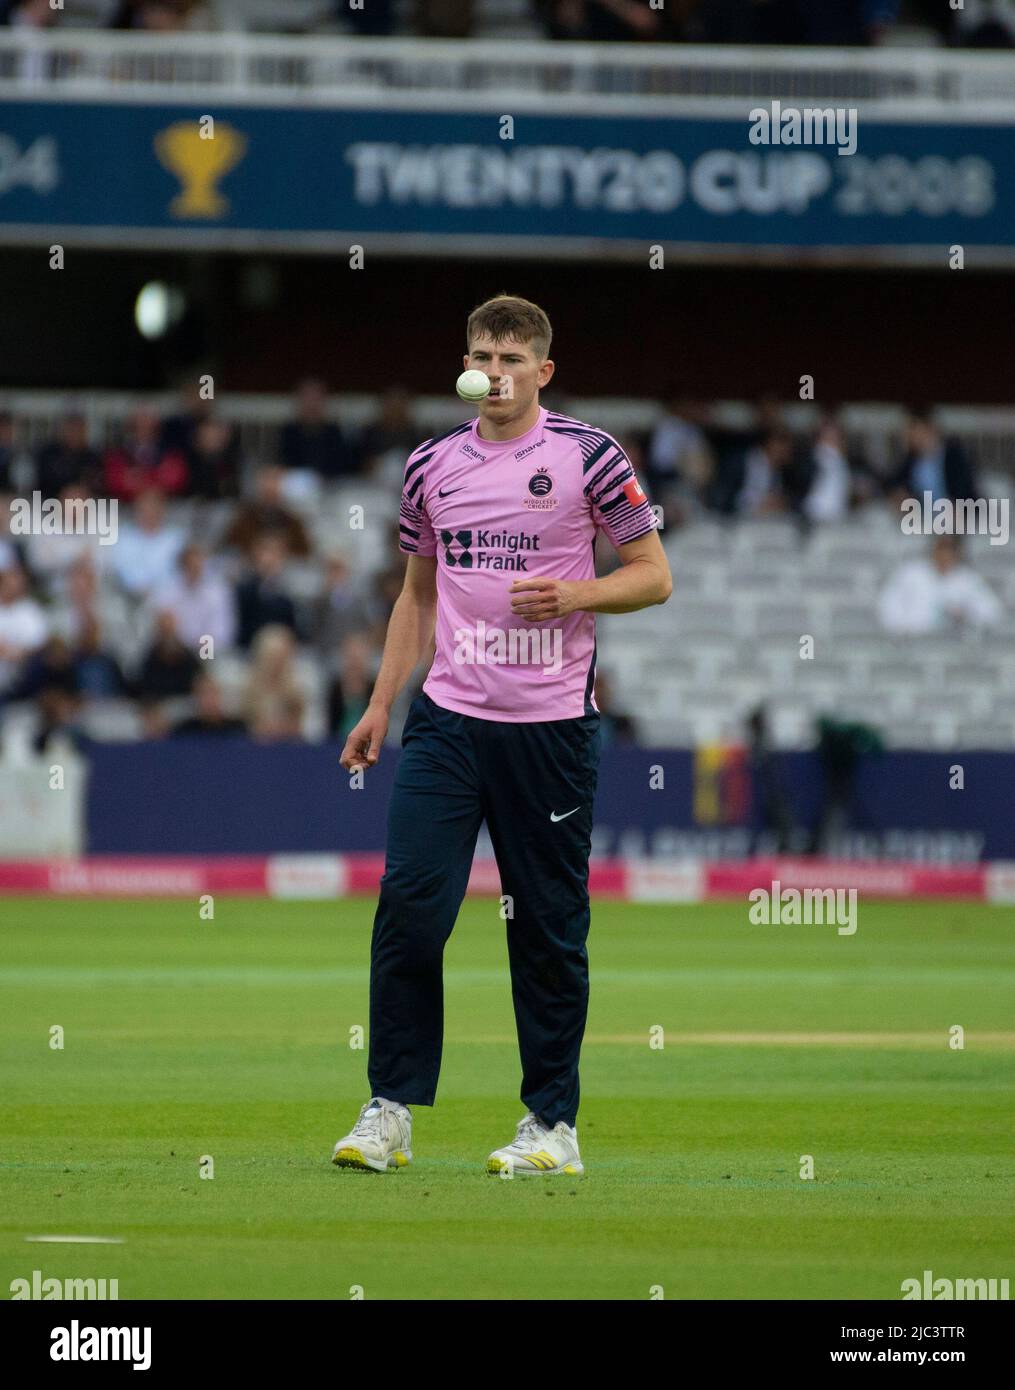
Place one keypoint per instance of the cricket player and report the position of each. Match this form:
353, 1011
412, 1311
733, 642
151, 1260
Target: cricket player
498, 519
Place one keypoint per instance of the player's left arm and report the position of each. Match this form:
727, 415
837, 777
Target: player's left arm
643, 578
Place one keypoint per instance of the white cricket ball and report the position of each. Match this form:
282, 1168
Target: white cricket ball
473, 385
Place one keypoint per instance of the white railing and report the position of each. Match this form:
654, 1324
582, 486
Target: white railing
325, 70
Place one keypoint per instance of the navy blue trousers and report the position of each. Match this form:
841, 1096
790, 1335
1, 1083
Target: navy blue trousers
534, 784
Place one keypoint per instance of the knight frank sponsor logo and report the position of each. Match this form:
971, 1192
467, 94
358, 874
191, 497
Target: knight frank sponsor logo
540, 486
791, 907
77, 1343
72, 516
929, 1287
487, 550
513, 646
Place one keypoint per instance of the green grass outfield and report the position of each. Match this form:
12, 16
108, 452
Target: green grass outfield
230, 1038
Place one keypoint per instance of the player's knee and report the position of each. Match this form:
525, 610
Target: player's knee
412, 925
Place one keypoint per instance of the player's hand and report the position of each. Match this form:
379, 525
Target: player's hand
363, 746
539, 598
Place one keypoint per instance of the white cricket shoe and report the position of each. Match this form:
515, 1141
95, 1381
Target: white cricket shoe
536, 1149
381, 1138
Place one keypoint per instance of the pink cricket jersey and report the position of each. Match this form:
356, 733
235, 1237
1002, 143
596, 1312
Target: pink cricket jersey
496, 511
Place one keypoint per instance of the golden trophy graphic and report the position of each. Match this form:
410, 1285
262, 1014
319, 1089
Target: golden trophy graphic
199, 162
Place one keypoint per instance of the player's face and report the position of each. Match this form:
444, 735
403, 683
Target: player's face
513, 367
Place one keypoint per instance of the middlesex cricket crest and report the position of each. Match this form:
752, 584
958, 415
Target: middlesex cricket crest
540, 486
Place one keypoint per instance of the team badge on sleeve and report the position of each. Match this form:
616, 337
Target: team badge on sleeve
633, 492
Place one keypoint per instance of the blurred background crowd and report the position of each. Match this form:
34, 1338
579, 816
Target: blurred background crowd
242, 594
974, 23
256, 565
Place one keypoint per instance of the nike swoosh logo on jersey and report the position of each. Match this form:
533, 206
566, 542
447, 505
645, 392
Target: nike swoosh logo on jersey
555, 817
442, 493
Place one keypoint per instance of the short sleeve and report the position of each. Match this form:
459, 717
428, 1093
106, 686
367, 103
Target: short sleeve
415, 534
618, 502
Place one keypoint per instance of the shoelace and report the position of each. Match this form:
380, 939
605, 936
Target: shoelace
376, 1124
530, 1128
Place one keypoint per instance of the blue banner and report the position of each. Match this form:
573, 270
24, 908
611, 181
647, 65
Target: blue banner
630, 180
233, 797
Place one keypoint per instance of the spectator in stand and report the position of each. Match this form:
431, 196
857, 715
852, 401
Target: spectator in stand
376, 20
201, 602
23, 625
679, 466
845, 22
339, 610
159, 16
209, 718
12, 551
762, 481
96, 671
214, 460
852, 22
50, 558
27, 15
80, 604
59, 715
394, 430
49, 667
261, 598
69, 459
169, 667
828, 474
311, 441
7, 456
51, 680
147, 548
931, 464
938, 594
267, 512
140, 462
80, 668
612, 21
178, 431
353, 686
983, 24
443, 19
274, 701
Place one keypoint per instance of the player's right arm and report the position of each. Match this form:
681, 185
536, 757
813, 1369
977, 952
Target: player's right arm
410, 631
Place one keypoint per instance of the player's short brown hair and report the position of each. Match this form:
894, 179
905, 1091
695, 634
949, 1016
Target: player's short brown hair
507, 316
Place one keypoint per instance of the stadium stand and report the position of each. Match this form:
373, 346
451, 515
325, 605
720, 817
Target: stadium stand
748, 588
